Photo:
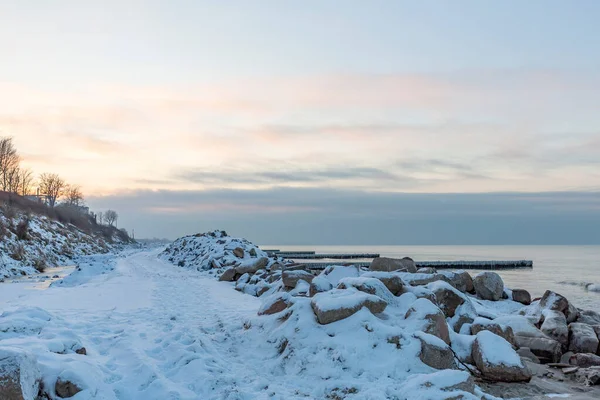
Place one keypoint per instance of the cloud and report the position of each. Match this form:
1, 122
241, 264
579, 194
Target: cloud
330, 216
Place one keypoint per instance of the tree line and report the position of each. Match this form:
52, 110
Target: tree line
14, 178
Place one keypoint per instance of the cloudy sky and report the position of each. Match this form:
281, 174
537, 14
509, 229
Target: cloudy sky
392, 122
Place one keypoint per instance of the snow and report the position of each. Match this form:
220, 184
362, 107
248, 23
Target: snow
335, 273
496, 350
342, 298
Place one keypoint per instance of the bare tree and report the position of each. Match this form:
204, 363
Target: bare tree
111, 217
52, 186
9, 162
73, 195
25, 184
100, 217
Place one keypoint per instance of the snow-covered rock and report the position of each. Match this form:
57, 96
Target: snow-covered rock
582, 338
393, 264
435, 352
291, 278
497, 360
430, 319
338, 304
521, 296
488, 285
555, 327
19, 374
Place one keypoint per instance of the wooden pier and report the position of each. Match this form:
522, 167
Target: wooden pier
313, 256
477, 265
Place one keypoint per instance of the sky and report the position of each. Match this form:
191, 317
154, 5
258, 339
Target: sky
381, 122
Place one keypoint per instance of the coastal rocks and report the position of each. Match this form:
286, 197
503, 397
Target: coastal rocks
368, 285
275, 304
432, 318
589, 317
66, 389
447, 297
318, 285
252, 267
392, 282
228, 275
291, 278
19, 375
393, 264
504, 332
525, 352
426, 270
461, 280
488, 286
497, 360
582, 338
238, 252
338, 304
547, 350
585, 360
334, 273
434, 352
588, 376
521, 296
555, 327
554, 301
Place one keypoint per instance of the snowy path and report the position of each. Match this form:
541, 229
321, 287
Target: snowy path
163, 332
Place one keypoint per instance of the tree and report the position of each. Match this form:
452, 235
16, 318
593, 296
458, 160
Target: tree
9, 163
25, 184
73, 195
111, 217
100, 218
52, 186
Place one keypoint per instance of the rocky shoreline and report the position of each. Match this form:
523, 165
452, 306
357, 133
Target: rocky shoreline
447, 320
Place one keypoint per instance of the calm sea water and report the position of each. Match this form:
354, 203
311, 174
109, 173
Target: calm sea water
573, 271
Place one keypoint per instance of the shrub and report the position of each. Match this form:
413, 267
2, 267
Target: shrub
22, 229
17, 252
40, 264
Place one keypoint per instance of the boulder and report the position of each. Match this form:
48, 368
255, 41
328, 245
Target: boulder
275, 303
554, 301
521, 296
488, 286
426, 270
19, 375
588, 376
547, 350
65, 388
465, 314
582, 338
497, 360
417, 279
585, 360
434, 352
318, 285
504, 332
589, 317
392, 281
393, 264
334, 273
461, 280
572, 313
291, 278
368, 285
447, 297
555, 327
238, 252
252, 267
228, 275
525, 352
433, 321
338, 304
252, 252
445, 384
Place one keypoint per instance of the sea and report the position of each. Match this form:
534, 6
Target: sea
573, 271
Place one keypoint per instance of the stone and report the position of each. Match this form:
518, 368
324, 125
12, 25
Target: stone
566, 357
526, 352
228, 275
425, 279
497, 360
319, 285
434, 352
588, 376
589, 317
488, 286
275, 304
65, 388
585, 360
426, 270
82, 351
368, 285
447, 298
461, 280
291, 278
393, 283
582, 338
252, 267
238, 252
521, 296
465, 314
252, 252
546, 349
338, 304
572, 313
555, 327
19, 375
433, 319
392, 264
504, 332
554, 301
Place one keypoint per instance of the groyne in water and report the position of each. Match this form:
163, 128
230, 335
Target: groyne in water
479, 265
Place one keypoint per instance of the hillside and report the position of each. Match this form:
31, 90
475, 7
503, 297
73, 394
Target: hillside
33, 237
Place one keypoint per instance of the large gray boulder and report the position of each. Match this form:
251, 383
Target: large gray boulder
582, 338
555, 327
368, 285
585, 360
434, 352
431, 317
589, 317
488, 285
19, 375
546, 349
228, 275
275, 304
393, 282
497, 360
65, 389
393, 264
554, 301
291, 278
521, 296
252, 266
460, 280
338, 304
319, 285
448, 298
504, 332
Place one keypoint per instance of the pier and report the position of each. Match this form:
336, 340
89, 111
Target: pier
478, 265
